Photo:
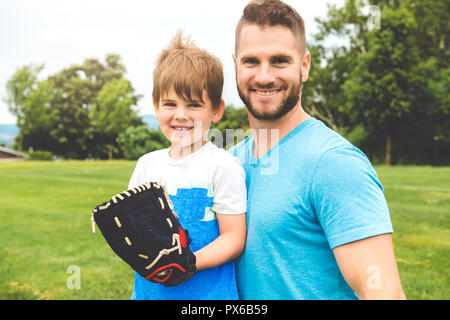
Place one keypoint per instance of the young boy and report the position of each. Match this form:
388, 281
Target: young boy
206, 184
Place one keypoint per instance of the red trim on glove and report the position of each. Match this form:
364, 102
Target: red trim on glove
182, 237
161, 269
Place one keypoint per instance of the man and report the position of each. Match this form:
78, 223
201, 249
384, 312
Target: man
318, 222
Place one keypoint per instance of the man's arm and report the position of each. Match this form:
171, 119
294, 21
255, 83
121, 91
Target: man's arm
370, 269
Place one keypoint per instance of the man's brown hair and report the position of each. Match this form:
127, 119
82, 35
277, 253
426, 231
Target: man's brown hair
189, 70
272, 13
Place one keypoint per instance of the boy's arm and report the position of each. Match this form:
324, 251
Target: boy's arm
228, 245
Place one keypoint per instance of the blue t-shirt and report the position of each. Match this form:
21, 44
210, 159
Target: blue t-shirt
310, 193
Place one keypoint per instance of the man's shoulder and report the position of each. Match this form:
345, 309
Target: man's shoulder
322, 140
325, 137
336, 156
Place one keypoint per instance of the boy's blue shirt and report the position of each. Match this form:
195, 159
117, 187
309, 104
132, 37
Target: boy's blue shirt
310, 193
196, 186
203, 284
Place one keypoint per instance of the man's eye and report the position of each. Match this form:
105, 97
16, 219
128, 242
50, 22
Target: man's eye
250, 61
278, 61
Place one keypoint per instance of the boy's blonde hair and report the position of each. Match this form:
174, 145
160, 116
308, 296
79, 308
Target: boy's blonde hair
189, 70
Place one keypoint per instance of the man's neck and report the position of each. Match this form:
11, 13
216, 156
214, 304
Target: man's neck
267, 133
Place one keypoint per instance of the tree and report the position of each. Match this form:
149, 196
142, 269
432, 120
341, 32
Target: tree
38, 117
18, 87
389, 82
432, 38
322, 93
76, 91
331, 66
112, 112
75, 113
134, 142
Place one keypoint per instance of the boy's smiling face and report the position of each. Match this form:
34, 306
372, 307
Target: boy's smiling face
186, 123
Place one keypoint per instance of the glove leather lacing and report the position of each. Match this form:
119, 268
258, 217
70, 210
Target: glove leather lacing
146, 186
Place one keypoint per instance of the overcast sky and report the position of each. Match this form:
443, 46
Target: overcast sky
59, 33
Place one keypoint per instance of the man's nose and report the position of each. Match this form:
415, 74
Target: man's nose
265, 76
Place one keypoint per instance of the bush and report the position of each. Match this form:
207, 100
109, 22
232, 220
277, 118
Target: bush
41, 155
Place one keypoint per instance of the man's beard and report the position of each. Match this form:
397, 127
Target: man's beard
285, 106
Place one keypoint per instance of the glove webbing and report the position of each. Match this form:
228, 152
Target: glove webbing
145, 186
139, 188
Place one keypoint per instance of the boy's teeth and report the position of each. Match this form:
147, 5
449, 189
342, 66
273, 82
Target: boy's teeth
181, 129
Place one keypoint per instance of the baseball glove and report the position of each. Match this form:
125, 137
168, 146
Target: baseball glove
143, 230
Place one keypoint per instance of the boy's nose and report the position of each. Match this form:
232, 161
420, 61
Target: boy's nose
180, 113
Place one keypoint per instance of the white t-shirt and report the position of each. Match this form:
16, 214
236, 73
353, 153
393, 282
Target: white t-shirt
204, 183
210, 167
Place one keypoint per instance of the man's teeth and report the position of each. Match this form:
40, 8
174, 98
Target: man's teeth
266, 93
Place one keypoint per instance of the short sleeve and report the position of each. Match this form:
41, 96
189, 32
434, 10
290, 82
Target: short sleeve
348, 197
230, 192
135, 179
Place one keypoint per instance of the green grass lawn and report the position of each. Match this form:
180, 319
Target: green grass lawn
45, 228
419, 201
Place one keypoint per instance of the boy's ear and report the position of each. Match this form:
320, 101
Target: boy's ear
218, 113
156, 107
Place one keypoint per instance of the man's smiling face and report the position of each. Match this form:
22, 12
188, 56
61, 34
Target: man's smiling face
268, 70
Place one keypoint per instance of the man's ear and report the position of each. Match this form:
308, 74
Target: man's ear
235, 62
306, 65
218, 113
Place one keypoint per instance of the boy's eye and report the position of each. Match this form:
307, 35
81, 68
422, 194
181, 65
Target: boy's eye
169, 104
195, 105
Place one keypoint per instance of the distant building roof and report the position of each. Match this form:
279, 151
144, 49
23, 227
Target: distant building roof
9, 153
